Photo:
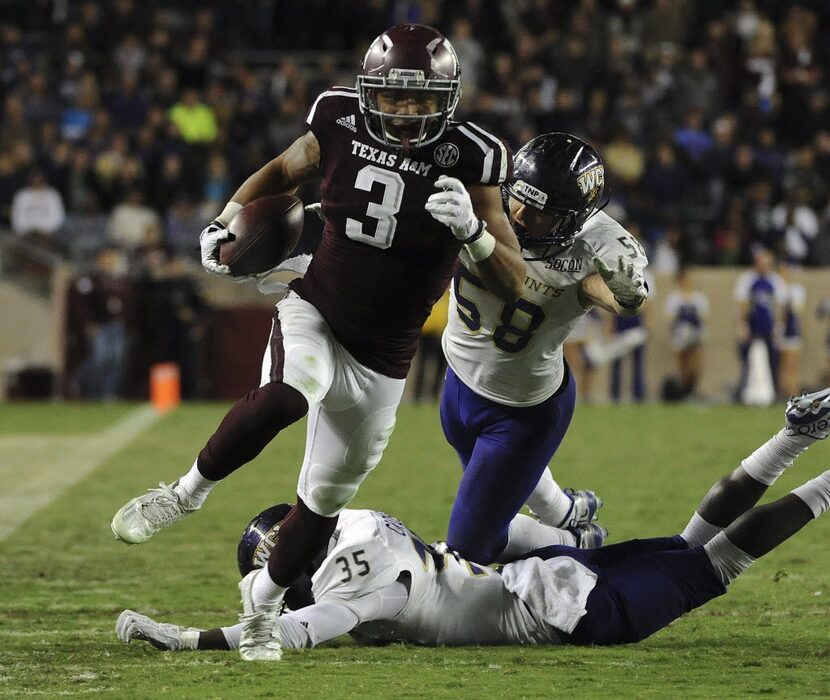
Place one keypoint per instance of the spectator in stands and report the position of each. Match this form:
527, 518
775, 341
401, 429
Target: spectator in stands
195, 120
796, 224
37, 211
133, 224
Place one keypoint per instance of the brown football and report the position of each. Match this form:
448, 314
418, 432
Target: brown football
265, 232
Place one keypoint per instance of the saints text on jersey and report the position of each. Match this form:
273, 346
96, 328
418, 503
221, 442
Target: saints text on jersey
381, 157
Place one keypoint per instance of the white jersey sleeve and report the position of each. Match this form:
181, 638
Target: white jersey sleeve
609, 241
743, 286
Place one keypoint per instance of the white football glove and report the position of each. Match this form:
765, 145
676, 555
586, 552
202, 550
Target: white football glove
132, 625
452, 207
209, 241
626, 284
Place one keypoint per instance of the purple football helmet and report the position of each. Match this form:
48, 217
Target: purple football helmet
406, 60
259, 538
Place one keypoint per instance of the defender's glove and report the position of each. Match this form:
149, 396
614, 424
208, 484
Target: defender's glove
626, 284
210, 239
452, 207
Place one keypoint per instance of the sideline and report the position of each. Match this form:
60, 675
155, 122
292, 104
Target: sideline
36, 469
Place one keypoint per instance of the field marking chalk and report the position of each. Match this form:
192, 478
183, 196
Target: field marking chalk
36, 469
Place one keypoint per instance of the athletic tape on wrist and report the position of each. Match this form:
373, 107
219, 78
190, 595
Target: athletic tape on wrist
231, 210
481, 248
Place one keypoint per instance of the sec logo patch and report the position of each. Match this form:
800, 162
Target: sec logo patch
446, 155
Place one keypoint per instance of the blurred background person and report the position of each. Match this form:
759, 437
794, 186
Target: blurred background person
791, 343
37, 211
634, 358
686, 310
760, 295
100, 312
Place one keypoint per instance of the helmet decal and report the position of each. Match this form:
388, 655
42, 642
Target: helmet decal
562, 176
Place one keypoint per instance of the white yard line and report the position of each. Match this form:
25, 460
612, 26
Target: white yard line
36, 469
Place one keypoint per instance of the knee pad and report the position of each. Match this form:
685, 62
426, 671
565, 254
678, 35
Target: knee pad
329, 488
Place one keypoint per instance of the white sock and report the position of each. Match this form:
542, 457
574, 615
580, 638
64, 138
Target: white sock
549, 502
698, 531
526, 534
728, 561
770, 460
816, 493
190, 639
265, 591
232, 635
194, 486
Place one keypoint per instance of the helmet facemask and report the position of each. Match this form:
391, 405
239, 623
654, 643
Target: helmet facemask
559, 236
437, 97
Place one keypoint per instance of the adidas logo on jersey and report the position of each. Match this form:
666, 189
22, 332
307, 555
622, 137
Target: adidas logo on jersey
348, 122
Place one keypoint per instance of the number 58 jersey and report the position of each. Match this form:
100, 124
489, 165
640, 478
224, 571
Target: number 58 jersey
383, 260
511, 353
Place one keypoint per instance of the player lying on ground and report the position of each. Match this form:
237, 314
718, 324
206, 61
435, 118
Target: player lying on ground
381, 582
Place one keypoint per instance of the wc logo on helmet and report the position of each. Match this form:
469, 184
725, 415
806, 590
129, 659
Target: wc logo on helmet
530, 192
446, 155
591, 181
263, 549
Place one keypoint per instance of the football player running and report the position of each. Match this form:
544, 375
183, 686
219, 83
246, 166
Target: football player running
378, 580
343, 338
509, 396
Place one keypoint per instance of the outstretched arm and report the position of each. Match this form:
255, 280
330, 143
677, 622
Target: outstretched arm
504, 271
302, 628
622, 291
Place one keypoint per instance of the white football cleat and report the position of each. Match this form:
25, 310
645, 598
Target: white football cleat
132, 625
809, 414
143, 517
260, 639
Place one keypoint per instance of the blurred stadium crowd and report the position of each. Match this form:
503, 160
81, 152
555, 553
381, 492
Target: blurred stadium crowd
126, 125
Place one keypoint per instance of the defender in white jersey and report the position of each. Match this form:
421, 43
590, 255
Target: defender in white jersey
380, 582
509, 397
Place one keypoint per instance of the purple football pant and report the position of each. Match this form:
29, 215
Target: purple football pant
503, 451
642, 586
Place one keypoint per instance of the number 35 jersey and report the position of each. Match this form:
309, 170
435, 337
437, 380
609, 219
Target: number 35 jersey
383, 260
451, 601
511, 353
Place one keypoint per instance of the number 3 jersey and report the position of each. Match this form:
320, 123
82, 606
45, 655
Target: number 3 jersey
450, 600
383, 260
511, 353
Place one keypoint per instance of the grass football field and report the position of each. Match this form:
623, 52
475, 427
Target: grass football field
64, 579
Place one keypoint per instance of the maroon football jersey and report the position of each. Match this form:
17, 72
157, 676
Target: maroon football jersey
383, 260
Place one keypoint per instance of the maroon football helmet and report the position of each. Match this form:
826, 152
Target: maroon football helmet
414, 62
